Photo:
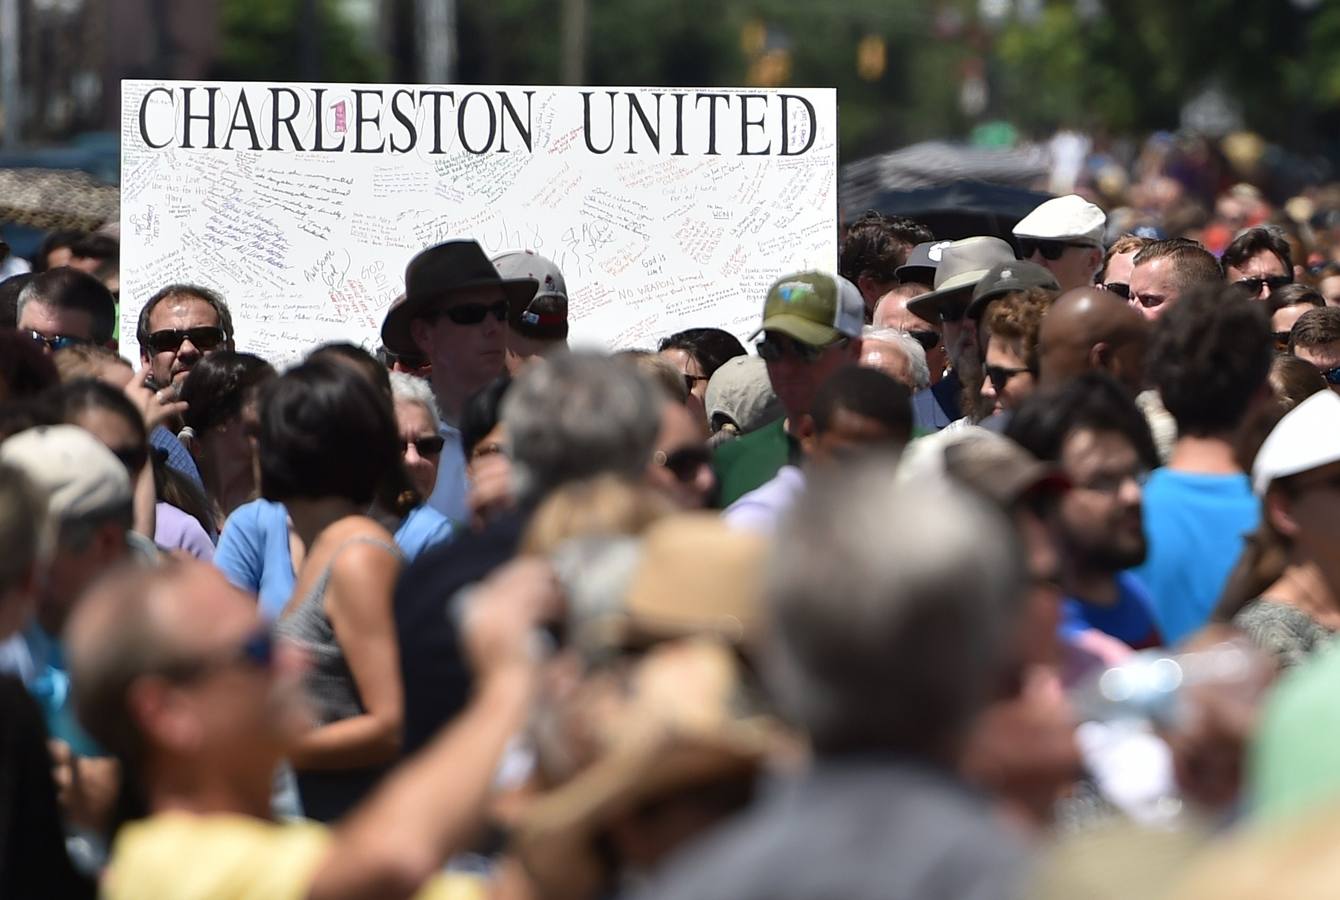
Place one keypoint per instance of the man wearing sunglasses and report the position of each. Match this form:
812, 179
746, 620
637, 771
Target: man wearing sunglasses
454, 313
1065, 236
208, 713
1315, 338
811, 327
179, 326
65, 308
1260, 261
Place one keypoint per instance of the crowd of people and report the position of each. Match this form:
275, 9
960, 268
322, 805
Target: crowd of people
1000, 568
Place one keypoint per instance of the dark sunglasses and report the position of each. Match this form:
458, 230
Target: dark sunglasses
1050, 250
133, 458
206, 337
59, 342
1121, 290
928, 340
1282, 341
774, 347
474, 313
426, 446
1255, 283
1332, 376
1000, 376
257, 651
685, 462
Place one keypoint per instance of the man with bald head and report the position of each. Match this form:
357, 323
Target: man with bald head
205, 715
1090, 328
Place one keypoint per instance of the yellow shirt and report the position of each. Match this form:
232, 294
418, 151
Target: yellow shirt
179, 856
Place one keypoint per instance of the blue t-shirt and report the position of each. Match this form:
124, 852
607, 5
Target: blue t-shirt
1195, 525
1129, 620
253, 551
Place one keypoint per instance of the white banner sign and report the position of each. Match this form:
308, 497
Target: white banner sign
301, 204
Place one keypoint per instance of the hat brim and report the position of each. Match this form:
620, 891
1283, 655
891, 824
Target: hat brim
929, 306
396, 333
807, 331
915, 274
555, 841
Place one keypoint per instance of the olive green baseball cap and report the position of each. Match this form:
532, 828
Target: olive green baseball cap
815, 308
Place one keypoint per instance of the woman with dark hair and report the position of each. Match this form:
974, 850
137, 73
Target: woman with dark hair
698, 353
261, 550
328, 441
220, 393
109, 416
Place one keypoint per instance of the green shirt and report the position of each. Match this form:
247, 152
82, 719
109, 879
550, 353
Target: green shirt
751, 461
1292, 766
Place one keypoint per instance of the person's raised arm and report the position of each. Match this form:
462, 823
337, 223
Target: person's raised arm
429, 808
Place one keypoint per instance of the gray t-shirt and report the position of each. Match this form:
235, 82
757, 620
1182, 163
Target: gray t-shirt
857, 829
1284, 631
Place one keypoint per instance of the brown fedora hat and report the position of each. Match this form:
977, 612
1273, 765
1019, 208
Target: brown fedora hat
438, 273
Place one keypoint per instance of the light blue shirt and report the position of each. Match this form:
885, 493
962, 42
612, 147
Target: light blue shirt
1195, 525
452, 488
253, 552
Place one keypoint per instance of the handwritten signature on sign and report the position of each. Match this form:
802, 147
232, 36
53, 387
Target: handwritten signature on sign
332, 269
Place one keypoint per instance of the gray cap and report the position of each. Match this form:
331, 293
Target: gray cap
546, 315
1005, 278
962, 264
741, 392
80, 477
922, 263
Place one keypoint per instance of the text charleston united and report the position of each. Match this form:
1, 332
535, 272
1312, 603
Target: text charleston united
434, 120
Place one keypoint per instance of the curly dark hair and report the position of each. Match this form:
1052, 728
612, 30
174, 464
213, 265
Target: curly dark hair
1210, 355
876, 245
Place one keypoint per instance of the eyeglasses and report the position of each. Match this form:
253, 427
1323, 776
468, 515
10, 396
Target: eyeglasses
1282, 341
928, 340
691, 380
474, 313
59, 342
257, 651
1112, 482
1000, 376
1121, 290
685, 462
205, 337
1254, 284
426, 446
133, 458
1050, 250
774, 347
490, 449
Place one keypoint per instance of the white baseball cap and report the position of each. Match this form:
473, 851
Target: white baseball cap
80, 476
1307, 438
1068, 218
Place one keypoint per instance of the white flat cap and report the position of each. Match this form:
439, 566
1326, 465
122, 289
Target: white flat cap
1068, 218
1307, 438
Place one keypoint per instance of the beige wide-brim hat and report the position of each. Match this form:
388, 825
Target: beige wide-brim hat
962, 264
